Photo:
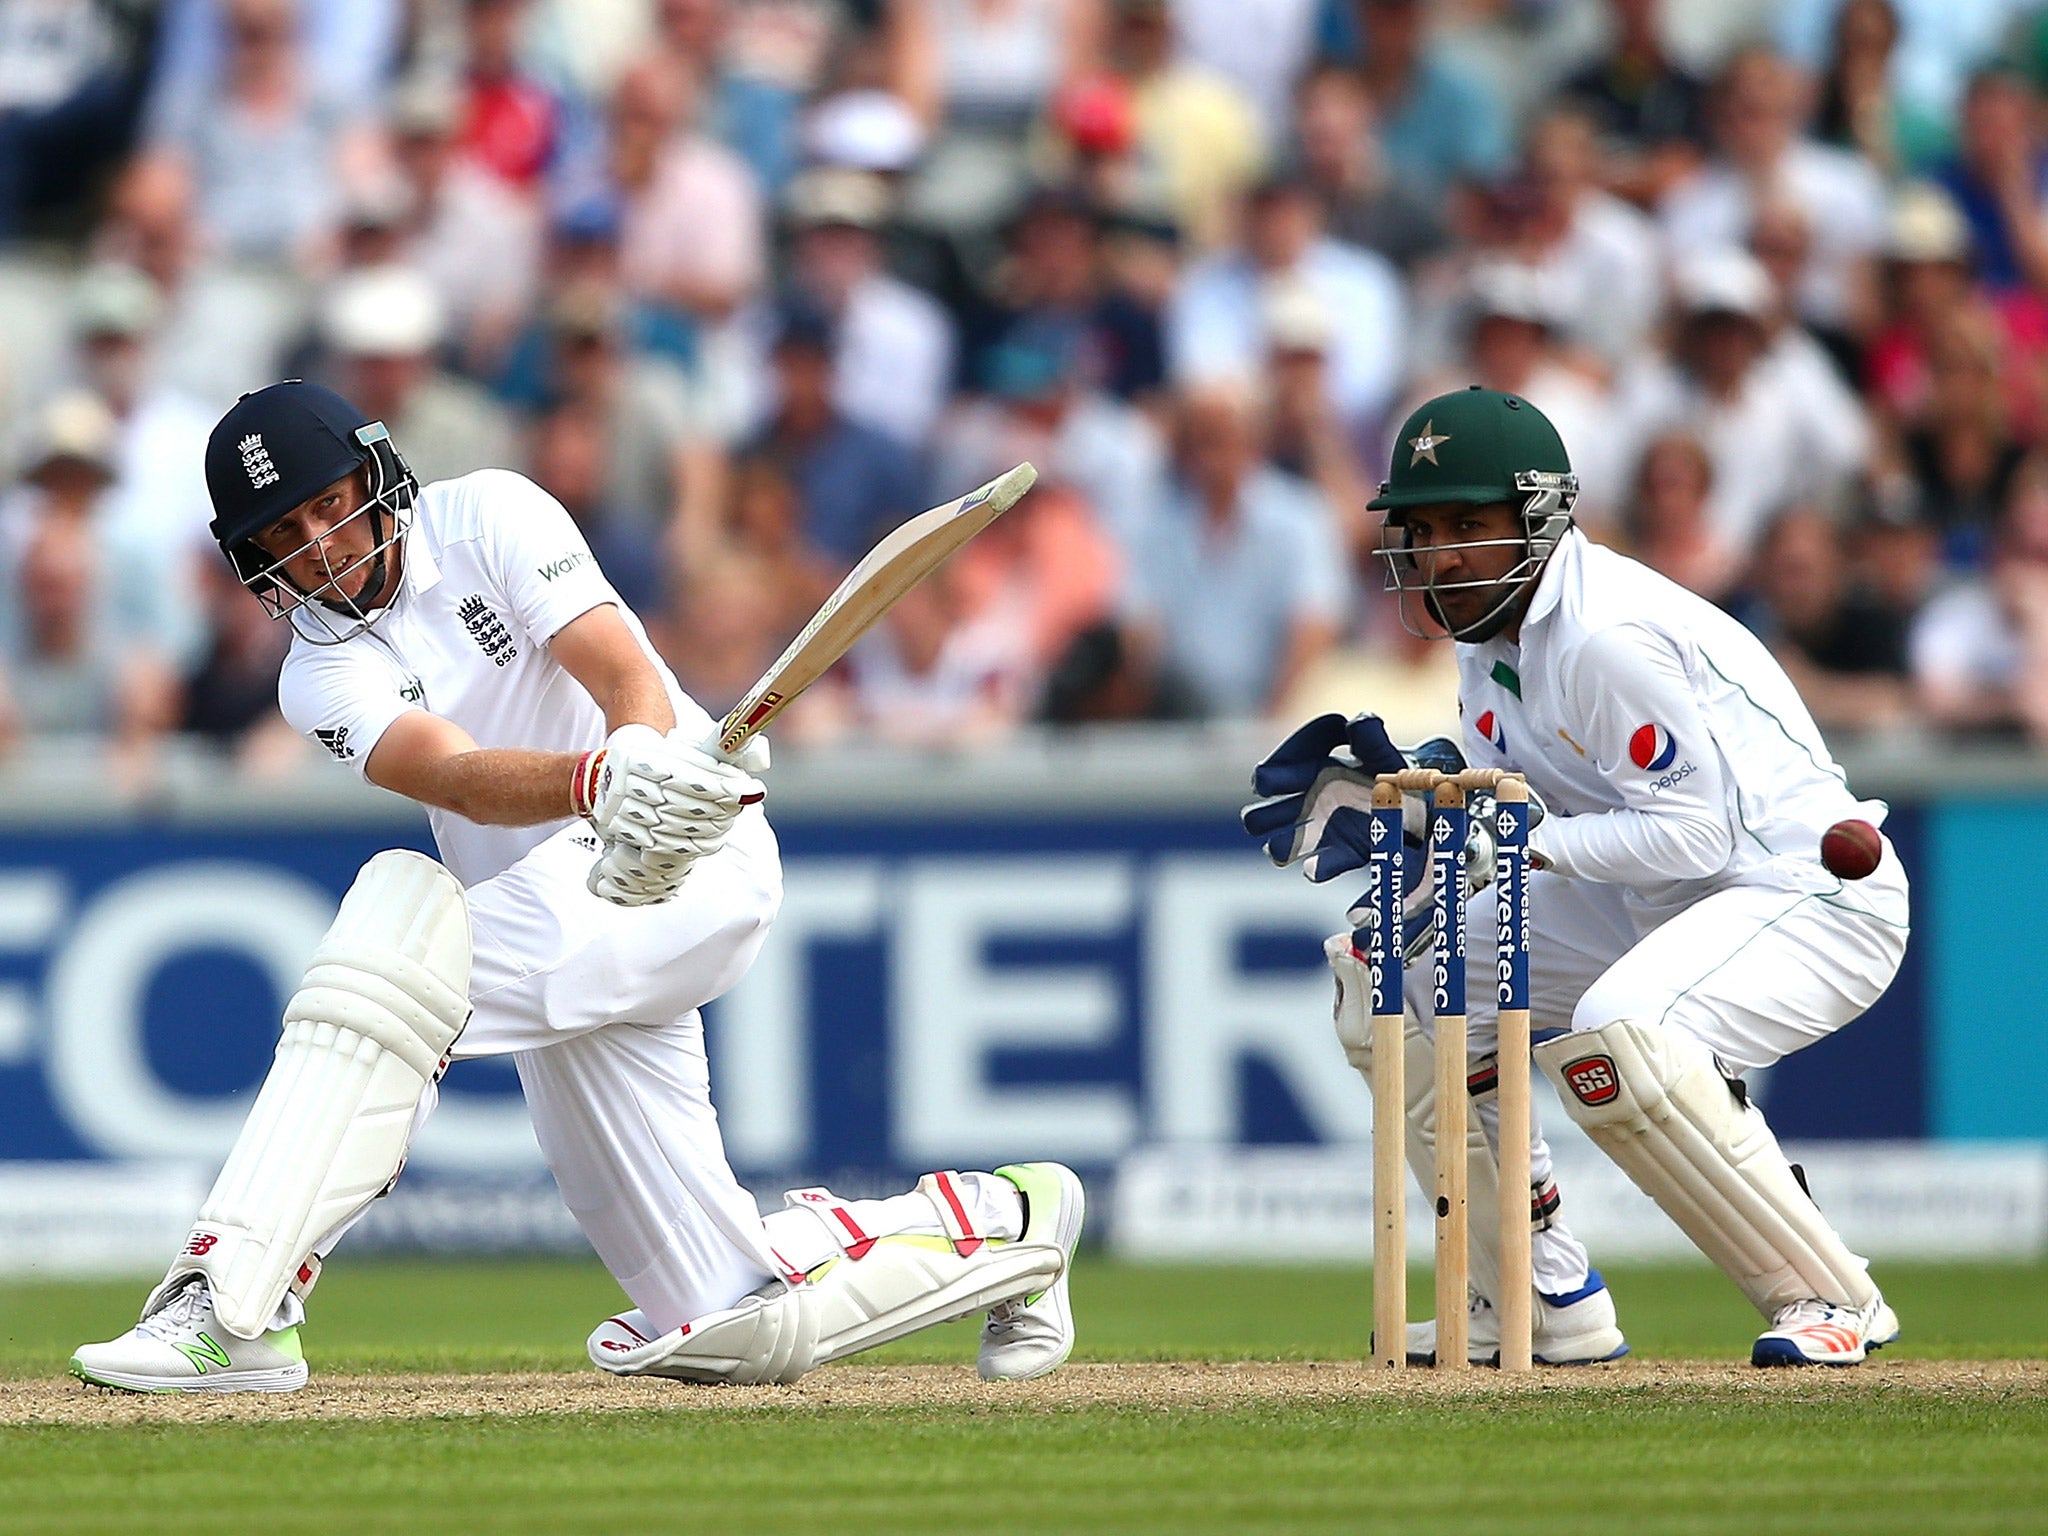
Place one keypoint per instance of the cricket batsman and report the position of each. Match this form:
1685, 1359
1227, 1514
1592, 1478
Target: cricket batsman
1686, 930
604, 873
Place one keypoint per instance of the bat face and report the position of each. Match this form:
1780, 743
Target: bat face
899, 562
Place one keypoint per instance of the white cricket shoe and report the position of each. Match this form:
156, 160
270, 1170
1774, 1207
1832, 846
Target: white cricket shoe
1822, 1333
1035, 1334
181, 1347
1575, 1329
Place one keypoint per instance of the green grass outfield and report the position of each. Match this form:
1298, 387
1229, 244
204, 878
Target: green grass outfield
1609, 1450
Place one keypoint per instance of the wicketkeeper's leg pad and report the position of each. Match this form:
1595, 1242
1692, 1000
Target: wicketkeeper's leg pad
365, 1037
898, 1285
1653, 1099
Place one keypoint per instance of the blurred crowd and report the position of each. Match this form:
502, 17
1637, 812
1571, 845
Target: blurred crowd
744, 283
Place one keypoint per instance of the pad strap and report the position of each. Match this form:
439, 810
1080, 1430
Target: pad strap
950, 1201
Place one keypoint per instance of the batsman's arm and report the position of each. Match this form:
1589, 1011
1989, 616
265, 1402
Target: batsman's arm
438, 763
602, 654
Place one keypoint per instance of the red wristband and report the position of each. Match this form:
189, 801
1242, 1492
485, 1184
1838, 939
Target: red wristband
583, 782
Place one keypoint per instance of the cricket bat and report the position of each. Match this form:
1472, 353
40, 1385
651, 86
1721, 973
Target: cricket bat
902, 559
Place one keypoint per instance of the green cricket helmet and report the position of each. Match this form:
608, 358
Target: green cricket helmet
1479, 447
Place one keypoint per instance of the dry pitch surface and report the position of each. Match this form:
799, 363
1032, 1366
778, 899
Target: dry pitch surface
1181, 1386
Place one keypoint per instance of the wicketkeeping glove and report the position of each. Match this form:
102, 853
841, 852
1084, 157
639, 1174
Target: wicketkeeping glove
1316, 793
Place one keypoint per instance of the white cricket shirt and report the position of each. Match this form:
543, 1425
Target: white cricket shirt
494, 568
1675, 755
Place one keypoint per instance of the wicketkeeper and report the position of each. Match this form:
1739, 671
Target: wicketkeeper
604, 873
1685, 928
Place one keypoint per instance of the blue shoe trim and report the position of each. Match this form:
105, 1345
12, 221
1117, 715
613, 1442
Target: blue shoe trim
1773, 1352
1593, 1286
1567, 1364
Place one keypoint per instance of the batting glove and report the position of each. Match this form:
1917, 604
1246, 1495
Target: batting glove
655, 792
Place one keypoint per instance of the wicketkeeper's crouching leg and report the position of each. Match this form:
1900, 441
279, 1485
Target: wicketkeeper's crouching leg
865, 1272
366, 1039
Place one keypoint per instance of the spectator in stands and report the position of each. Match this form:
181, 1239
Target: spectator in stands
1598, 255
722, 624
1043, 574
853, 482
1439, 125
229, 699
569, 455
1215, 330
1961, 454
1648, 109
356, 41
1303, 435
691, 236
1364, 203
935, 674
511, 124
222, 327
69, 78
752, 115
665, 468
1669, 525
1898, 552
1840, 643
1927, 275
1771, 441
267, 143
1241, 585
893, 359
1980, 649
383, 328
157, 500
1261, 49
1999, 178
1197, 133
475, 238
1815, 367
1861, 108
1762, 155
1056, 274
85, 622
1037, 403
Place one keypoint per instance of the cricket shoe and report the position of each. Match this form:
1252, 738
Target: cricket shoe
1034, 1334
1823, 1333
1578, 1328
181, 1347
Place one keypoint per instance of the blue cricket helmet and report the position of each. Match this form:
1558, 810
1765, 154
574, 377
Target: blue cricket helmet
276, 448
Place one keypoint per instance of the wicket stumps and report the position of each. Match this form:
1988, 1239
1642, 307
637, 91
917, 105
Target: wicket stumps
1449, 825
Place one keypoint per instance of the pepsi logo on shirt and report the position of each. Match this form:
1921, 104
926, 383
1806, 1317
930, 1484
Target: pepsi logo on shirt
1490, 727
1652, 748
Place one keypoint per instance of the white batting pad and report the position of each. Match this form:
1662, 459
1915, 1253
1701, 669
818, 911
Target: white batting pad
900, 1284
1653, 1100
365, 1037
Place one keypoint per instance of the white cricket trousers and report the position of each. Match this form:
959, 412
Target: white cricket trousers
1752, 972
598, 1006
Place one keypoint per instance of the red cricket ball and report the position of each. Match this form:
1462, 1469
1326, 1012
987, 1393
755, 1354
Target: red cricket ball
1851, 849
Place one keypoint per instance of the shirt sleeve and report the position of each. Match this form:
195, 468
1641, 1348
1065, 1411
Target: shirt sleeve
542, 561
1634, 708
344, 697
